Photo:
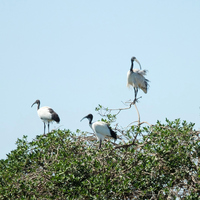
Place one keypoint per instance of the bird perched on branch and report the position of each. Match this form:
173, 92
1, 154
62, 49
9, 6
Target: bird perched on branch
46, 114
101, 129
135, 78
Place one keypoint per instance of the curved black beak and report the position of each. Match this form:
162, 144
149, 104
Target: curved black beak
83, 118
33, 104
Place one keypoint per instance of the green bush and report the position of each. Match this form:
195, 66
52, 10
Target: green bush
150, 162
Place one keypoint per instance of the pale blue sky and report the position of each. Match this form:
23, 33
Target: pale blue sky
74, 55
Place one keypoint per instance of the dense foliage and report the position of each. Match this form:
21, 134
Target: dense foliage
150, 162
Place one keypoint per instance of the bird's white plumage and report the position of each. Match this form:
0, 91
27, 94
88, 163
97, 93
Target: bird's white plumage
136, 79
44, 114
101, 129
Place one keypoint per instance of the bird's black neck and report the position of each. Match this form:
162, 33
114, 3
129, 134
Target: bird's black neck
131, 69
90, 121
38, 105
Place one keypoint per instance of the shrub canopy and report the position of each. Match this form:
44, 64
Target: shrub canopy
150, 162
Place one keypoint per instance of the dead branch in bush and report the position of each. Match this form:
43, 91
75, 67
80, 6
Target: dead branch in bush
109, 110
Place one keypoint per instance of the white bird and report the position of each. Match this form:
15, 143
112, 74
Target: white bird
135, 78
101, 129
46, 114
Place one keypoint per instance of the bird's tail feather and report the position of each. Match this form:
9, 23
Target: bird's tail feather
113, 133
145, 89
55, 117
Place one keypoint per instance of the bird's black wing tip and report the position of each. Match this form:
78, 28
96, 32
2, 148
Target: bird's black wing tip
113, 133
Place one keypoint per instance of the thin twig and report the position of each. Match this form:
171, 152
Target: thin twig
130, 104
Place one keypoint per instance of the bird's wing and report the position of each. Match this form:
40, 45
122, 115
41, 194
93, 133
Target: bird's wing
136, 70
44, 113
54, 115
141, 72
101, 128
136, 79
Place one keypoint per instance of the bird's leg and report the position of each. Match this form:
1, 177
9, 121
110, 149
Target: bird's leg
44, 127
136, 91
100, 144
48, 127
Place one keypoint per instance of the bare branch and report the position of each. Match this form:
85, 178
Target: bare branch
130, 103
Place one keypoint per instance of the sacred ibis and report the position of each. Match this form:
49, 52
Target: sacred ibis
135, 78
101, 129
46, 114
